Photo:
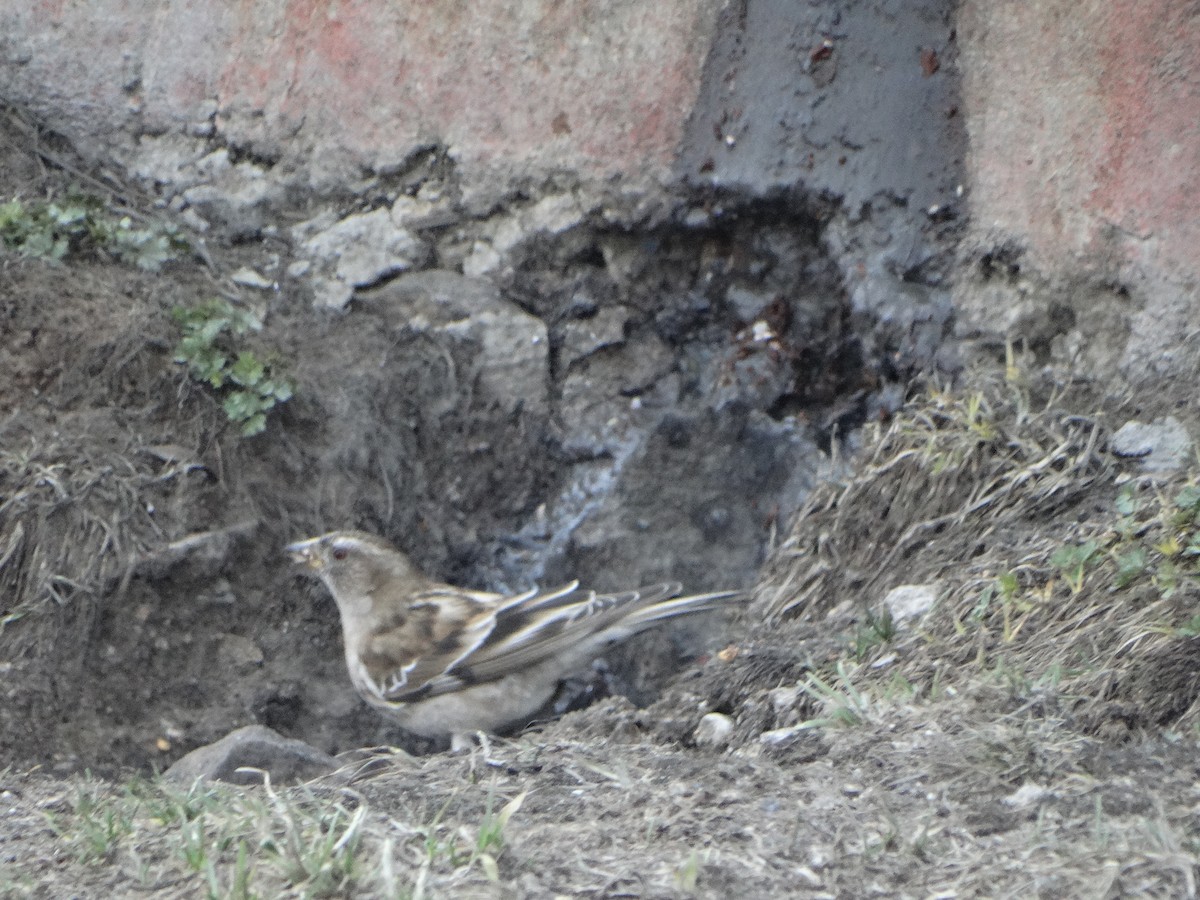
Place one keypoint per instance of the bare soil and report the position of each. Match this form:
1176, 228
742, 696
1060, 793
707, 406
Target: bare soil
1029, 736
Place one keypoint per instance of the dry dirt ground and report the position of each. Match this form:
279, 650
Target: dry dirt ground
1031, 734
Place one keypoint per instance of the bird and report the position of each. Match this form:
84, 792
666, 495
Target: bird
451, 662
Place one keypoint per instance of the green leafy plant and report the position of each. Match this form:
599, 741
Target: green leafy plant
1005, 594
93, 828
842, 703
80, 223
1131, 565
1072, 562
248, 386
877, 631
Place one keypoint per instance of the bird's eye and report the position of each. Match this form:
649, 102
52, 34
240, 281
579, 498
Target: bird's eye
339, 552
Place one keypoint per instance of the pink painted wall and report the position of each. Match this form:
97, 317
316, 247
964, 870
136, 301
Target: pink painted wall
573, 84
1084, 122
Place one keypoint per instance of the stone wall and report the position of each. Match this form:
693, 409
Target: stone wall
1084, 176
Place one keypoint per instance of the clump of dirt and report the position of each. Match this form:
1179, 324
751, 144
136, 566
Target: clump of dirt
141, 535
1062, 573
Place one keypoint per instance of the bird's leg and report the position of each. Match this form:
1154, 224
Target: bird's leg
485, 745
463, 742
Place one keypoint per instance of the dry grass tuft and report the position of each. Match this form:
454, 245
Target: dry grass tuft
1061, 572
72, 523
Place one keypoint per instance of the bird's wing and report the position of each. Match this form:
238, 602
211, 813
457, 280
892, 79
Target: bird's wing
452, 638
409, 658
548, 624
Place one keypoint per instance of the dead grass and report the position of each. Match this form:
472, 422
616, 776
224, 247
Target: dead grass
1060, 570
944, 799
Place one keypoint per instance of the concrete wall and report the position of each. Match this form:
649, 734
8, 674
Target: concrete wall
1084, 123
593, 87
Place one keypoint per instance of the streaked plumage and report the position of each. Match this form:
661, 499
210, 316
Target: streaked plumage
447, 661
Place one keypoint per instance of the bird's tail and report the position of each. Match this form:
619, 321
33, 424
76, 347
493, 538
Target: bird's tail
653, 613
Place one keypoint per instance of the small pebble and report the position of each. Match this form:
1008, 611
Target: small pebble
714, 731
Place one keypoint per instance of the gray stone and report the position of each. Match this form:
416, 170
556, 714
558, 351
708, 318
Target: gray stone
239, 653
784, 699
360, 250
247, 277
252, 747
747, 304
1163, 446
910, 601
799, 743
240, 199
604, 392
553, 214
483, 259
172, 159
513, 358
583, 337
714, 731
707, 488
204, 552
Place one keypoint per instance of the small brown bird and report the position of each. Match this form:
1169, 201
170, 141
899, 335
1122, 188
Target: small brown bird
447, 661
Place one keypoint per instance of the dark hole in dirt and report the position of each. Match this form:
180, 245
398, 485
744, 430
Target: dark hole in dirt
1001, 261
1062, 317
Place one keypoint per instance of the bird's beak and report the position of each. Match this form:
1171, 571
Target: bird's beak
306, 553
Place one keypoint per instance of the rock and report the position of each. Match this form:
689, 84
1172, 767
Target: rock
205, 552
254, 747
513, 359
714, 731
747, 304
239, 199
910, 601
602, 391
483, 259
247, 277
798, 743
413, 212
361, 249
583, 337
705, 488
553, 214
1163, 446
299, 268
238, 653
1027, 795
777, 737
783, 699
624, 257
173, 159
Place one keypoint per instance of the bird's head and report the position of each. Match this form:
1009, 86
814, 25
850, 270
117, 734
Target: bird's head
354, 565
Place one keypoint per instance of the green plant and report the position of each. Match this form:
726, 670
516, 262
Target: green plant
94, 828
842, 703
1189, 629
1072, 561
490, 839
877, 631
81, 223
248, 386
1131, 565
1014, 608
687, 874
